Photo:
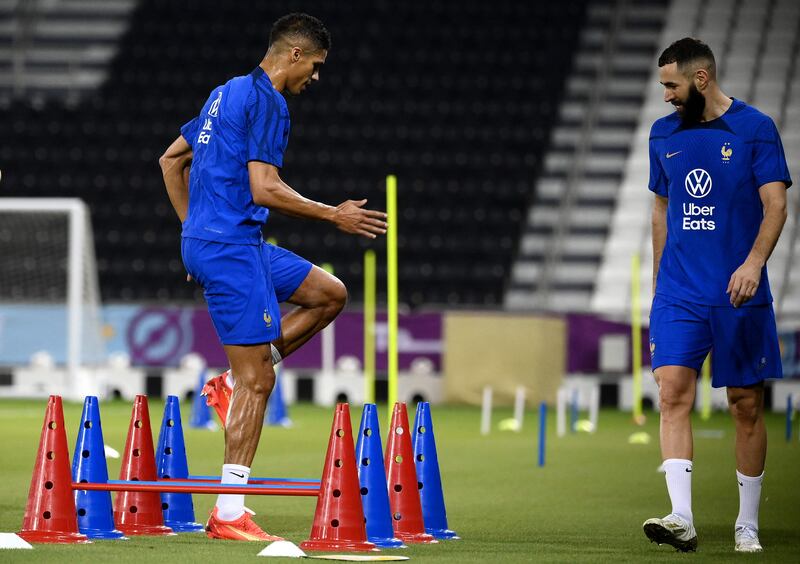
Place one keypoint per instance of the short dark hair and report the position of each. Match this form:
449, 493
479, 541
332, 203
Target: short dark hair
298, 25
688, 51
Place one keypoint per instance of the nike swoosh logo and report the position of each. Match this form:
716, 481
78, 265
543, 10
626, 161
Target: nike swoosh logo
670, 155
239, 475
741, 484
688, 469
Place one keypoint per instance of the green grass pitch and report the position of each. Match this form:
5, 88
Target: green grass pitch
586, 505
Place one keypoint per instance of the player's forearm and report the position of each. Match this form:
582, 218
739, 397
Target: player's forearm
659, 224
768, 234
281, 197
176, 182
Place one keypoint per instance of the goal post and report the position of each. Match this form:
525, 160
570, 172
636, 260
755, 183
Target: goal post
49, 291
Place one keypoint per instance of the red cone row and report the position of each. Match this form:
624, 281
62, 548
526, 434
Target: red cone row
50, 512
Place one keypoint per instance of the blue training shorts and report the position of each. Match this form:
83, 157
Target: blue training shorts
744, 340
243, 285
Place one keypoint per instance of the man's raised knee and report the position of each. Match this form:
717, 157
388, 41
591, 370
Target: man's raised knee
336, 294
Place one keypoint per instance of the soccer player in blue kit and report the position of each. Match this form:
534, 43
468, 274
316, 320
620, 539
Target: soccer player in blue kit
719, 176
222, 177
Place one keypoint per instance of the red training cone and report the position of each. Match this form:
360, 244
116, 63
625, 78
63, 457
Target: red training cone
339, 517
401, 477
139, 513
50, 511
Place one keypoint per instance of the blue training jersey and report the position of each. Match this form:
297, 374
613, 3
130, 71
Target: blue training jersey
711, 173
244, 120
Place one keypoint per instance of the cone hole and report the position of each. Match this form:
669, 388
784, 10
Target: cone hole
364, 491
46, 514
421, 429
170, 423
84, 481
50, 455
399, 431
165, 476
340, 432
365, 462
338, 463
335, 523
138, 423
48, 485
167, 450
85, 453
398, 488
87, 424
367, 432
398, 459
136, 452
419, 485
134, 509
164, 506
51, 425
81, 512
397, 516
421, 457
337, 493
135, 479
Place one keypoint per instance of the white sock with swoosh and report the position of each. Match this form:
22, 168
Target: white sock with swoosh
679, 486
231, 506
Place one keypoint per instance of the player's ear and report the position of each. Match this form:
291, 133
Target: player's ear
295, 54
701, 79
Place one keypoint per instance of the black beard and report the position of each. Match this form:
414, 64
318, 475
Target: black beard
693, 107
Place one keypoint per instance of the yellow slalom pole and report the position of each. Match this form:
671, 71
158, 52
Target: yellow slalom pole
636, 339
369, 326
705, 382
391, 280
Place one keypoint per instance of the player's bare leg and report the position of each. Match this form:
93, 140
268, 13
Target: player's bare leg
747, 409
676, 393
255, 379
320, 298
676, 386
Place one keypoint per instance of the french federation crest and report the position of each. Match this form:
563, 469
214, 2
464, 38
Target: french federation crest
726, 152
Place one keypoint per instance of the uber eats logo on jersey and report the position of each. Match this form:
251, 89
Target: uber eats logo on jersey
698, 218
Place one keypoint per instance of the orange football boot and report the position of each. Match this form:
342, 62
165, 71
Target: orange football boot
241, 529
218, 395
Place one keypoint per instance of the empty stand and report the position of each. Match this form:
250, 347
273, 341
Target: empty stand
457, 99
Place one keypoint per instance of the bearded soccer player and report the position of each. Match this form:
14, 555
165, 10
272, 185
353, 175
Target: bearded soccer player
719, 176
222, 177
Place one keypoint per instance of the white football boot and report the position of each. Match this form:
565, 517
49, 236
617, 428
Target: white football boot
672, 530
747, 540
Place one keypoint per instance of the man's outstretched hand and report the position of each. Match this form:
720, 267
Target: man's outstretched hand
351, 217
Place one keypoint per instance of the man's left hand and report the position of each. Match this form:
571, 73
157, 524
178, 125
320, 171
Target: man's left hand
744, 283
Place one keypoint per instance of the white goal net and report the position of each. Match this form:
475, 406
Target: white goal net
49, 296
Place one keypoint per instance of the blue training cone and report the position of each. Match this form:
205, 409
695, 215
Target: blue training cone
277, 414
201, 413
95, 512
171, 463
372, 478
430, 480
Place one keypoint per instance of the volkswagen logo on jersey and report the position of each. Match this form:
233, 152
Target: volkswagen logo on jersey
698, 183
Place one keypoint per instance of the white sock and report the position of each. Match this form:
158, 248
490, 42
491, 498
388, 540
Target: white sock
276, 356
231, 506
679, 486
749, 500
